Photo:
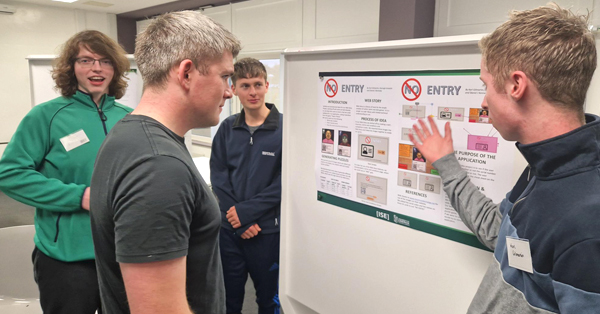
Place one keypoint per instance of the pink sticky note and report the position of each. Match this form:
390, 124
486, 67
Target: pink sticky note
482, 143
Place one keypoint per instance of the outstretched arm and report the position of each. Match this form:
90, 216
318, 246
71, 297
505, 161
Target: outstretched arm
478, 212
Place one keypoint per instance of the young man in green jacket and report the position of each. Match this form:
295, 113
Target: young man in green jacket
48, 165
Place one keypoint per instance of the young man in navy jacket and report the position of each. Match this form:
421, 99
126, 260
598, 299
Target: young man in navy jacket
245, 172
536, 69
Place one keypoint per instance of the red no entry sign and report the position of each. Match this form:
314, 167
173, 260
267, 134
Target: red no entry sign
411, 89
331, 88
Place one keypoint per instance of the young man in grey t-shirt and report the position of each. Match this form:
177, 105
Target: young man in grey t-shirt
155, 222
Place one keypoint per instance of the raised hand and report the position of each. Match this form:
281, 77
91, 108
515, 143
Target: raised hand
430, 142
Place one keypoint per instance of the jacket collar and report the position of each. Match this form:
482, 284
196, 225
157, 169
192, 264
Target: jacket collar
566, 154
106, 102
271, 122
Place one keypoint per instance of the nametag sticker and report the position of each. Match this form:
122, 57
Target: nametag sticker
74, 140
519, 254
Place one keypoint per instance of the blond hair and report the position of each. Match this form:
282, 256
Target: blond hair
552, 46
177, 36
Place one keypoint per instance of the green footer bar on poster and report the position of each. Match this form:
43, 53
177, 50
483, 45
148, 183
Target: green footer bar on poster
407, 221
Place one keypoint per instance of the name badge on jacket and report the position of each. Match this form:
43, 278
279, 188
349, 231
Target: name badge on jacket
519, 254
74, 140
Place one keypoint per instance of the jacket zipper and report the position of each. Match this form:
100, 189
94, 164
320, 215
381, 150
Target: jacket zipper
102, 115
57, 221
515, 204
103, 119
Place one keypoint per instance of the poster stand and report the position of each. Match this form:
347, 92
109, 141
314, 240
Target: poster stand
335, 260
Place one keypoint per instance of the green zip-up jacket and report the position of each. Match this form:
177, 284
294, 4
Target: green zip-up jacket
36, 169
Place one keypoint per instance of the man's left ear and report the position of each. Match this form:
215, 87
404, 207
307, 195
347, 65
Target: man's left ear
183, 72
518, 84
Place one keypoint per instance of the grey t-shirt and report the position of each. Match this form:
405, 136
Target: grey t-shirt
253, 128
149, 203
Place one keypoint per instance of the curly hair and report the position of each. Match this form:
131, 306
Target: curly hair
63, 70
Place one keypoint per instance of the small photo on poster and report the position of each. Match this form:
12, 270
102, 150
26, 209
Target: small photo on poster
373, 148
479, 115
483, 116
417, 156
430, 183
405, 133
451, 114
327, 141
371, 188
407, 179
413, 111
344, 143
410, 158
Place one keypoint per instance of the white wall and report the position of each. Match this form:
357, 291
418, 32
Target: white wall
461, 17
35, 29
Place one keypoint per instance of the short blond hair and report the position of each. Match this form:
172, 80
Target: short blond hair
552, 46
177, 36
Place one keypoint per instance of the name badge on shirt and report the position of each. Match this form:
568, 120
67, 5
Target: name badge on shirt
519, 254
74, 140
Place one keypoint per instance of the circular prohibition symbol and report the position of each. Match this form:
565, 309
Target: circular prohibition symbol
368, 140
407, 89
331, 88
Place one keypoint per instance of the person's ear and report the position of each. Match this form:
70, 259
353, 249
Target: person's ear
233, 89
184, 72
517, 84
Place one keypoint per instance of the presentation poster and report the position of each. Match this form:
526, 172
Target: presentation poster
366, 162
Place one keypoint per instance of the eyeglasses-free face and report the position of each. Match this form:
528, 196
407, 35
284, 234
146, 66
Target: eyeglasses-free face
89, 62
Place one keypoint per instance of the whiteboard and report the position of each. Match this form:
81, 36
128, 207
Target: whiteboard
42, 84
334, 260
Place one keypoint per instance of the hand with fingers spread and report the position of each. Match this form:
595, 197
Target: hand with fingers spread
251, 232
431, 143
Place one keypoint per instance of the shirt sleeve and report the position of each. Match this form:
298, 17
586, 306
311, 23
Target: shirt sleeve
576, 278
154, 204
19, 177
477, 212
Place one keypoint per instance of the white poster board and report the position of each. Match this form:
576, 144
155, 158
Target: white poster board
365, 155
335, 260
